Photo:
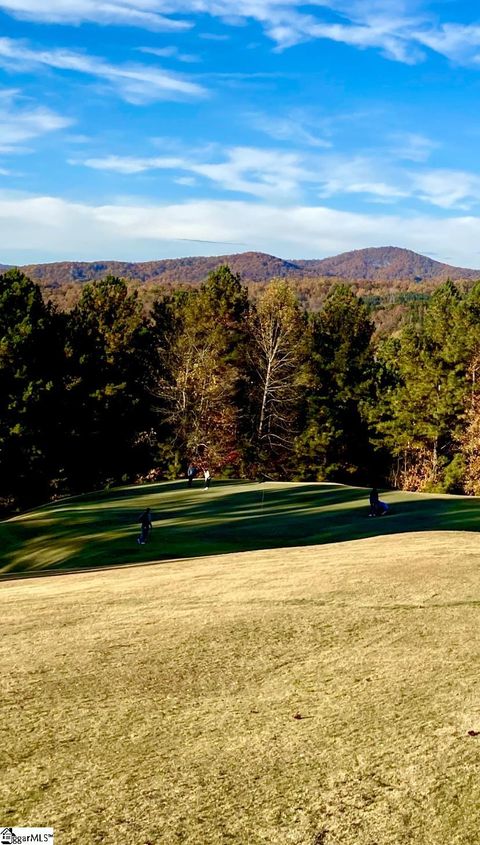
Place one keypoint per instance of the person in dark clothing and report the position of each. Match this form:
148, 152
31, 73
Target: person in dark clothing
191, 473
377, 507
374, 502
146, 523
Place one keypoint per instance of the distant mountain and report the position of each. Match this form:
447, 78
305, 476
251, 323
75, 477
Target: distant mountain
252, 266
382, 264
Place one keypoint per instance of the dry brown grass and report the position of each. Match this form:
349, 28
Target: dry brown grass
156, 704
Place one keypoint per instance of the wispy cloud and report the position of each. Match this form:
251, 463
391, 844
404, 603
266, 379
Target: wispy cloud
129, 165
188, 181
361, 175
140, 13
367, 24
295, 127
384, 181
403, 31
278, 175
170, 52
267, 174
271, 174
136, 84
458, 42
448, 188
261, 173
214, 36
21, 121
412, 146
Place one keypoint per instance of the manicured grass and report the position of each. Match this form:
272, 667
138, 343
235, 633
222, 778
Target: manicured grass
101, 529
157, 704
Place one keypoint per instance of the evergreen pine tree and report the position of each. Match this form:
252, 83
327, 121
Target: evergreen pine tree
335, 440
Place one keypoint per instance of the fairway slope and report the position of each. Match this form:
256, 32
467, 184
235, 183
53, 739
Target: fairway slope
100, 529
306, 695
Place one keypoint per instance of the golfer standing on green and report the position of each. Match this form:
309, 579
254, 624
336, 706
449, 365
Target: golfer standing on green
146, 523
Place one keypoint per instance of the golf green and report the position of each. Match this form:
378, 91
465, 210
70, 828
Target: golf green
100, 529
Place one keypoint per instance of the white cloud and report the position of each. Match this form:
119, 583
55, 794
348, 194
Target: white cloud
412, 146
136, 84
401, 30
448, 188
188, 181
213, 36
23, 122
266, 173
390, 36
136, 231
272, 174
162, 52
261, 173
278, 176
361, 175
140, 13
296, 127
129, 165
458, 42
385, 182
361, 24
170, 52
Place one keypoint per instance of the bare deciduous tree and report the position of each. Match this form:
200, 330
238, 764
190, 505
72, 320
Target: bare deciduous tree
276, 352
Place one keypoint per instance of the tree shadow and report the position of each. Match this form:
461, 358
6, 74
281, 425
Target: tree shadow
100, 529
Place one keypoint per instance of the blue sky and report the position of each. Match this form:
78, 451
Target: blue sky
143, 129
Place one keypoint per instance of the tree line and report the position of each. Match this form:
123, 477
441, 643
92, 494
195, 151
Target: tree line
105, 393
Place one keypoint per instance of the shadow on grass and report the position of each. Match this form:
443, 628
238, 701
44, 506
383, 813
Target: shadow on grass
100, 529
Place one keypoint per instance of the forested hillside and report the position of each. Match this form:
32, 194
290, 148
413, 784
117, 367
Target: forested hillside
382, 264
389, 279
385, 264
107, 392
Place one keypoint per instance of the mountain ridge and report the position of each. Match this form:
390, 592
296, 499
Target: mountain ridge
377, 264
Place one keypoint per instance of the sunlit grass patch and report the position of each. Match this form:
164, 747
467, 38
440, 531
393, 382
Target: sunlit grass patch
101, 529
299, 695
